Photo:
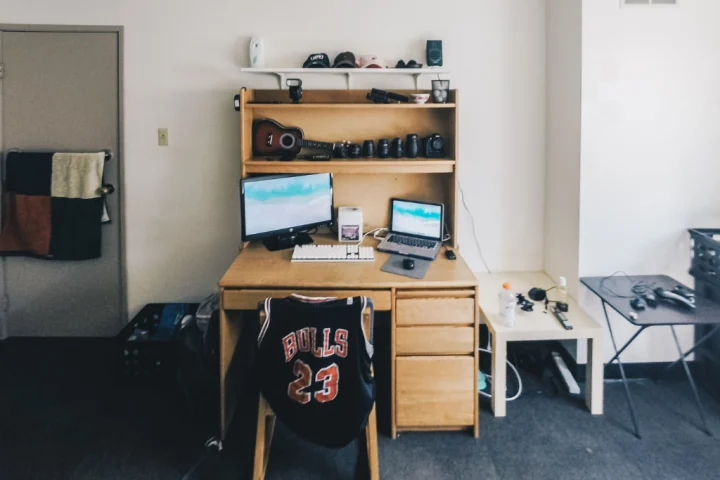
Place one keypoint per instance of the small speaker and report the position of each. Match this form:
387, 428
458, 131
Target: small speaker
434, 53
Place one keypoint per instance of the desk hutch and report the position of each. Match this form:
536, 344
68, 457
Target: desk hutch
434, 345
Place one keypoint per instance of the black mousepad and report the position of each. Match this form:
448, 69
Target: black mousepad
394, 265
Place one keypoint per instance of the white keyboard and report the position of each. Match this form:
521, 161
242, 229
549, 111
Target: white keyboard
333, 253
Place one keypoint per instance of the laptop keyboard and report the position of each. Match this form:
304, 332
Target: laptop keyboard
412, 242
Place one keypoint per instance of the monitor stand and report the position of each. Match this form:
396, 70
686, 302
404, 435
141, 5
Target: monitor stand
281, 242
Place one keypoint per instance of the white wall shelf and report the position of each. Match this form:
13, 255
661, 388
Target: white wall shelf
349, 73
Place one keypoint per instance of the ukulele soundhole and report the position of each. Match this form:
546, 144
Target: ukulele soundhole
287, 140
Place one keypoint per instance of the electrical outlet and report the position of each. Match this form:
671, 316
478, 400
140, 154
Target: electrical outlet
163, 137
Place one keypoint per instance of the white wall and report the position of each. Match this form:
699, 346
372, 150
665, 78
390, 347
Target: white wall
650, 147
181, 70
562, 149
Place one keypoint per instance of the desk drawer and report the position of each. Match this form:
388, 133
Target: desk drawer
435, 311
248, 299
435, 391
434, 340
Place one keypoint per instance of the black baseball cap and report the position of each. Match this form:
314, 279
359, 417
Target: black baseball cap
345, 60
317, 60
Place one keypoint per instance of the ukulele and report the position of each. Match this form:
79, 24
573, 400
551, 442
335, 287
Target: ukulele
273, 139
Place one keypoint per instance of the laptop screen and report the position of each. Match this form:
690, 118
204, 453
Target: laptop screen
415, 218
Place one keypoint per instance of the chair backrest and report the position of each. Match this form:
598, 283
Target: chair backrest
367, 317
314, 365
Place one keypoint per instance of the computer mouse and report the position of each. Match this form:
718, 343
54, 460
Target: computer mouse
637, 303
450, 255
408, 264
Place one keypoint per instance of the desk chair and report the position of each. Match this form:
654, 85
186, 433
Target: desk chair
266, 425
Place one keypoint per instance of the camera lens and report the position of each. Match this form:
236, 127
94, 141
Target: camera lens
354, 150
368, 148
397, 149
340, 150
411, 146
383, 150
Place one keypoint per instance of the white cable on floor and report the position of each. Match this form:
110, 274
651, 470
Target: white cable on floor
512, 367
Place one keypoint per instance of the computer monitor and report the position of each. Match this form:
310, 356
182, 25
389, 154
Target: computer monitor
278, 209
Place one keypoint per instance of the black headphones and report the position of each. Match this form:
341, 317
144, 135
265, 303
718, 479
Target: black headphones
537, 294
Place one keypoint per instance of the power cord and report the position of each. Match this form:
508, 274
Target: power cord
446, 233
489, 377
375, 232
472, 224
638, 288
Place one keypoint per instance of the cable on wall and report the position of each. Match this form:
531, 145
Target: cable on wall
472, 224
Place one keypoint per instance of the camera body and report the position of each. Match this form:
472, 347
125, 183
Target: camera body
434, 146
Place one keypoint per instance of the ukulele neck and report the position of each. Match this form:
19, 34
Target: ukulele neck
317, 145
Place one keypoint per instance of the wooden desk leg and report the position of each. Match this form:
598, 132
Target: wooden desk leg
594, 376
230, 330
499, 375
393, 382
476, 353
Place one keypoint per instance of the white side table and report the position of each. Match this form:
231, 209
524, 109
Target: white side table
537, 325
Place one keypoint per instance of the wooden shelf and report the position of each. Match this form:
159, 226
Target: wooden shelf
349, 73
346, 115
439, 165
371, 106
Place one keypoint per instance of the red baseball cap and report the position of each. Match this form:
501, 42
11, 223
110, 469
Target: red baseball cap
370, 61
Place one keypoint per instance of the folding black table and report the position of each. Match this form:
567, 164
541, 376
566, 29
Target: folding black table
616, 291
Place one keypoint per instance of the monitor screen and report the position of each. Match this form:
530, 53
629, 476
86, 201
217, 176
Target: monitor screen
276, 204
415, 218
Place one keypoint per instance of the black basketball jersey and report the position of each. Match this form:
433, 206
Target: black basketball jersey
314, 366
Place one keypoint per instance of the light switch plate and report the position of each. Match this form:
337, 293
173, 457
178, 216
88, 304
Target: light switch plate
163, 137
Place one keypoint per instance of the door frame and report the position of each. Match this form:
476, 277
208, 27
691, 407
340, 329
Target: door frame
118, 156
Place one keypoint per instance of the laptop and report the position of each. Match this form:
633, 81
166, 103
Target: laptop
416, 229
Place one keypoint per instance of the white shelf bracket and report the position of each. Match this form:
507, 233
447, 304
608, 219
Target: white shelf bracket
281, 79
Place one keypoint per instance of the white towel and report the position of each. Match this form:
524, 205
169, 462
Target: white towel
78, 175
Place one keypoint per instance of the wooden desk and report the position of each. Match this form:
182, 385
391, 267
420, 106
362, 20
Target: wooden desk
537, 325
434, 327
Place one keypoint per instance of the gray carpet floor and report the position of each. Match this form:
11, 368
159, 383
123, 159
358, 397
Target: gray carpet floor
62, 416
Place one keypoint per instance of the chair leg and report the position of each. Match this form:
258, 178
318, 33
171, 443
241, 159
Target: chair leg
372, 446
263, 439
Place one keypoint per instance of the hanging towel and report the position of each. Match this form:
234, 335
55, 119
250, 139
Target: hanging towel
52, 206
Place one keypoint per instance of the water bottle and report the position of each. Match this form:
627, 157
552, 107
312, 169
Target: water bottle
563, 290
508, 300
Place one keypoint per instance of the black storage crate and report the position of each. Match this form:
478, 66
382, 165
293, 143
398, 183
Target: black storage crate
145, 357
705, 265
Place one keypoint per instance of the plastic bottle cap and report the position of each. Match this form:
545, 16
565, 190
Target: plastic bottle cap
563, 282
506, 286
